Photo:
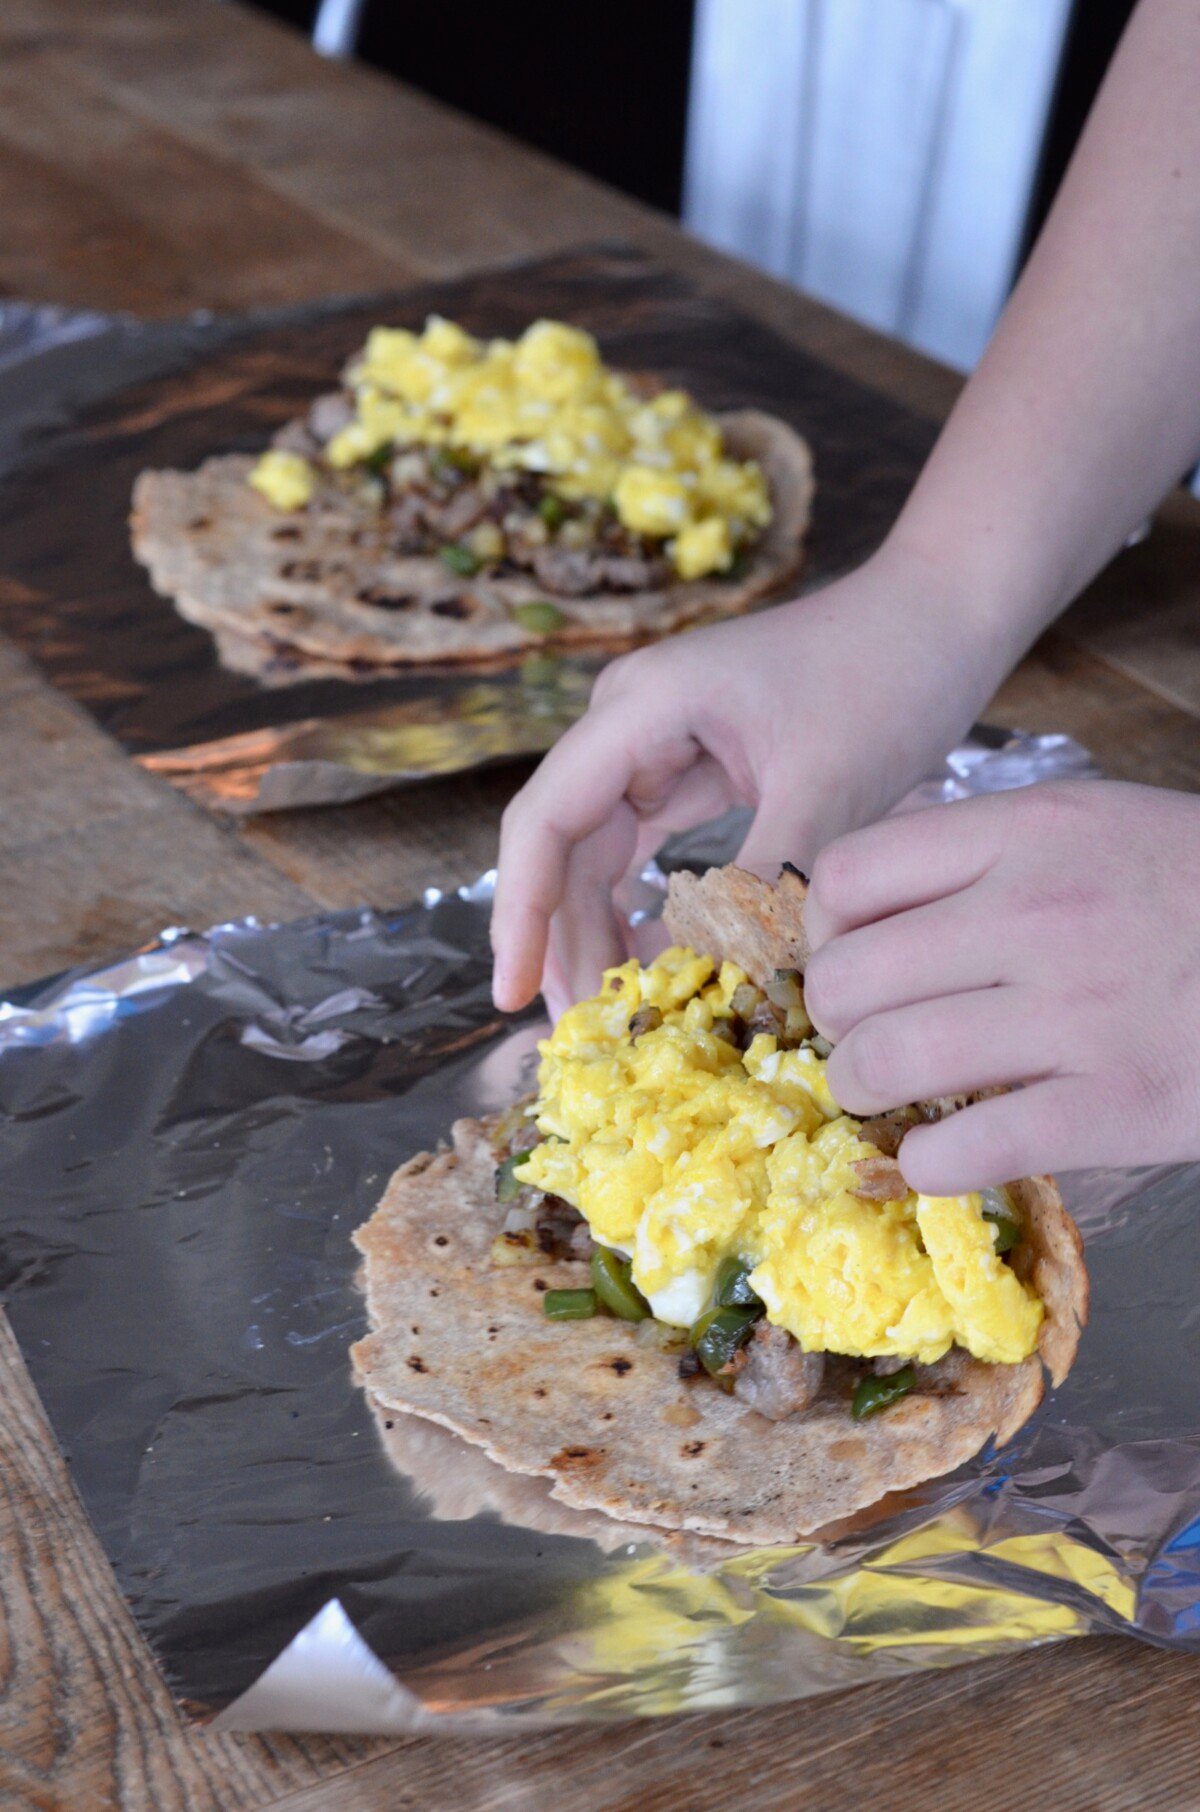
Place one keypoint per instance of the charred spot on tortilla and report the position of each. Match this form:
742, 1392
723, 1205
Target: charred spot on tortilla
578, 1457
385, 600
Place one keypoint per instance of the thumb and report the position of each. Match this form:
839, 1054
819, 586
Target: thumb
782, 831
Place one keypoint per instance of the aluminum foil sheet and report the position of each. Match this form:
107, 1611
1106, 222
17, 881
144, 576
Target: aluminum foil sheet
191, 1134
88, 401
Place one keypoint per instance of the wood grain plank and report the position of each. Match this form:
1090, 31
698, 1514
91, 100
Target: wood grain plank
402, 156
407, 174
17, 672
1080, 1727
193, 228
86, 1723
98, 855
1133, 733
266, 98
61, 772
1143, 614
383, 852
109, 886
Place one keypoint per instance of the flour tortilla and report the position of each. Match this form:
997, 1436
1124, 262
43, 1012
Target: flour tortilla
599, 1408
323, 582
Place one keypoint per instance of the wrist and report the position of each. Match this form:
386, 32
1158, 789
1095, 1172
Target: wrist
969, 630
1004, 588
895, 665
970, 595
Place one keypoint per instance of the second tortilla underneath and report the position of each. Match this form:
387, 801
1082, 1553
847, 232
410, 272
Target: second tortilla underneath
600, 1409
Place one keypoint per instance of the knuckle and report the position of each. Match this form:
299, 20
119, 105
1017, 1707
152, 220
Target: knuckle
1091, 1002
996, 1146
1056, 897
835, 876
606, 682
875, 1057
513, 814
1143, 1098
825, 987
1053, 808
987, 1141
618, 676
525, 818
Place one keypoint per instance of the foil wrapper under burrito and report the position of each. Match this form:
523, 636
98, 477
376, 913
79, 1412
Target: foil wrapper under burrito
190, 1137
87, 402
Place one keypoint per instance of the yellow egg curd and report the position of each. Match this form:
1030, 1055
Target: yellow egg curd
547, 404
284, 479
680, 1150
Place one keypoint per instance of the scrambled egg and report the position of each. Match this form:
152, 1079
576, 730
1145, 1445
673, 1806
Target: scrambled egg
547, 404
285, 479
681, 1150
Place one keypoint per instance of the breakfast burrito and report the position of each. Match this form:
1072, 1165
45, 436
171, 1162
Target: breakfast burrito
463, 500
686, 1288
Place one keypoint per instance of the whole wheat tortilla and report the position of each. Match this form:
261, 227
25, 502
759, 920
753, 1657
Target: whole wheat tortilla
324, 582
460, 1482
729, 912
599, 1408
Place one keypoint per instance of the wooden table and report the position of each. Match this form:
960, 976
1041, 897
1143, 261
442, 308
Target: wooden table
159, 155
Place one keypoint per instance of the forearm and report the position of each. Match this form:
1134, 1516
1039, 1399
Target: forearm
1086, 406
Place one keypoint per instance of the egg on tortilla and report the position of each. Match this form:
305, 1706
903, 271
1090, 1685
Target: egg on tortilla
688, 1289
463, 499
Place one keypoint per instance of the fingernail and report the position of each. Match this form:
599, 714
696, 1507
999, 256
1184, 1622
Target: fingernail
505, 992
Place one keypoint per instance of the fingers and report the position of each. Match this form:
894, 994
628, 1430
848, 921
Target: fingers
701, 792
556, 990
945, 948
901, 863
942, 1047
590, 930
578, 786
1047, 1127
781, 832
586, 936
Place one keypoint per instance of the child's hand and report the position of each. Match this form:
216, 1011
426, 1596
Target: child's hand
821, 714
1048, 937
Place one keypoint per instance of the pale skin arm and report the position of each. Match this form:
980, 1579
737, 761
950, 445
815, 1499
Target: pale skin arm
1083, 413
1086, 406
